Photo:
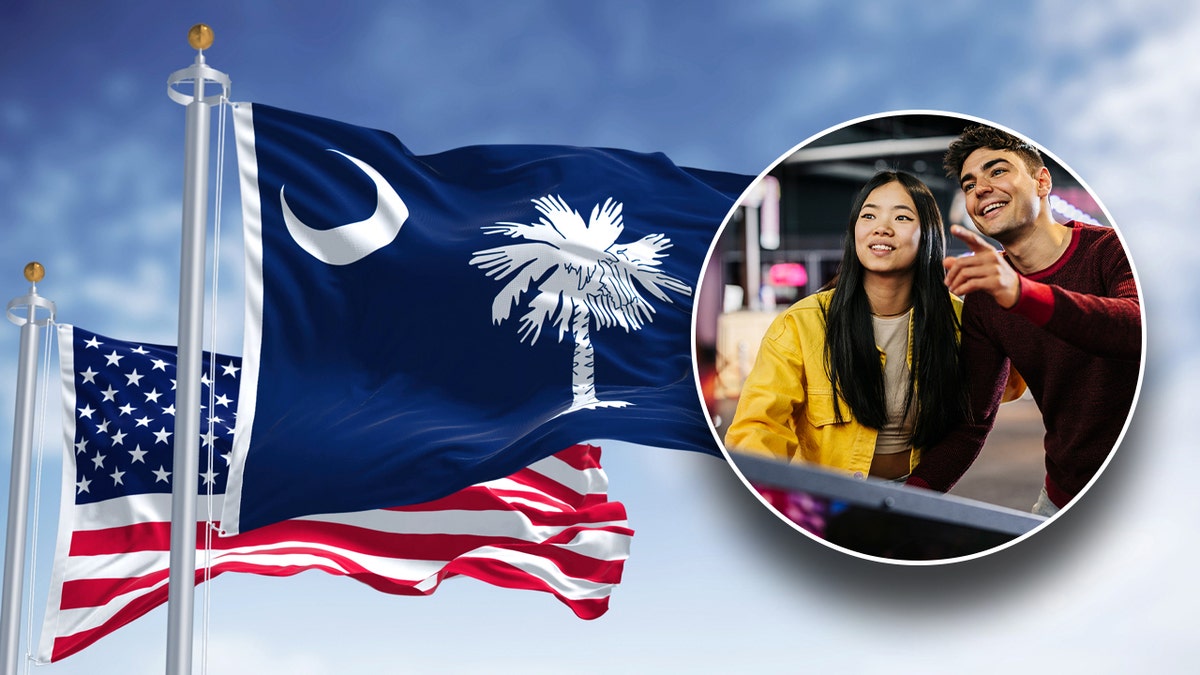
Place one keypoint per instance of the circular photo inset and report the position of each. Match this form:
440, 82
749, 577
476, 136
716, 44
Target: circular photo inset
919, 337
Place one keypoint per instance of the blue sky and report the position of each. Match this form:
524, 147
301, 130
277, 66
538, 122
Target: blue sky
90, 181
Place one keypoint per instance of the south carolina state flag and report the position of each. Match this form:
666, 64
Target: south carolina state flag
418, 324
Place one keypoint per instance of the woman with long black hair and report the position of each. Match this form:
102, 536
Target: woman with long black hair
862, 375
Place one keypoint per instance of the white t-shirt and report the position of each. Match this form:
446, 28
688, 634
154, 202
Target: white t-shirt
891, 335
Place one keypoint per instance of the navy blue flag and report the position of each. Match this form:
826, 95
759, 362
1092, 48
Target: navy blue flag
417, 324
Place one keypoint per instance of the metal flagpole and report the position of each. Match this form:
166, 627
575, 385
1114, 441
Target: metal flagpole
18, 492
182, 581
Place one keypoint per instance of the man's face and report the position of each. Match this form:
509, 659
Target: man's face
1003, 199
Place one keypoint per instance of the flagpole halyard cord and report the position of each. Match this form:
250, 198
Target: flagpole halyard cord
214, 318
44, 388
181, 585
18, 495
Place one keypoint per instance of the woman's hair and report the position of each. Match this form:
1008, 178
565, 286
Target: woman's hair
936, 384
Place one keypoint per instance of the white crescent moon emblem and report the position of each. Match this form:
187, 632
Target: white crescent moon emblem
351, 242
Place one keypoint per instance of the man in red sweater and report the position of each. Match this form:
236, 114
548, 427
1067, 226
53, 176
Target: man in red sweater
1059, 304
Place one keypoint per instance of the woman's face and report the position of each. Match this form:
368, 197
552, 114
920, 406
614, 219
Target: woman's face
888, 231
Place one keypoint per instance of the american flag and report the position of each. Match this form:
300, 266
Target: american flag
548, 527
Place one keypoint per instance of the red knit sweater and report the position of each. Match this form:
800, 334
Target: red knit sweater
1075, 336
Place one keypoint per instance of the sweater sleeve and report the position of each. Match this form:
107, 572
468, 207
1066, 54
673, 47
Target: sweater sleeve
987, 368
771, 398
1107, 325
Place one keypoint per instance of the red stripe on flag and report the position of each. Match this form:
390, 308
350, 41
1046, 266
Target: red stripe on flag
139, 537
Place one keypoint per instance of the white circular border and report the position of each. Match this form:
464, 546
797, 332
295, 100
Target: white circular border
1141, 361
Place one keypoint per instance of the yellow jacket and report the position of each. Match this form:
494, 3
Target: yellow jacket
785, 410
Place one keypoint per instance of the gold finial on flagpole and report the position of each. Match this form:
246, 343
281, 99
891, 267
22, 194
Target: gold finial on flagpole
200, 36
34, 272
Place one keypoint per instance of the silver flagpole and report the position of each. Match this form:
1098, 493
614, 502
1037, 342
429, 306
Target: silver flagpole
18, 491
182, 581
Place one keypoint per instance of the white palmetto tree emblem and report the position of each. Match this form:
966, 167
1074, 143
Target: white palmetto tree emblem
583, 276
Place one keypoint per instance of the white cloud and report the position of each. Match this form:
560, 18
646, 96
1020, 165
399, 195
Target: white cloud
1125, 124
140, 296
245, 654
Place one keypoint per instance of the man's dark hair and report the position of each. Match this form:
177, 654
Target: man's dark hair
979, 136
